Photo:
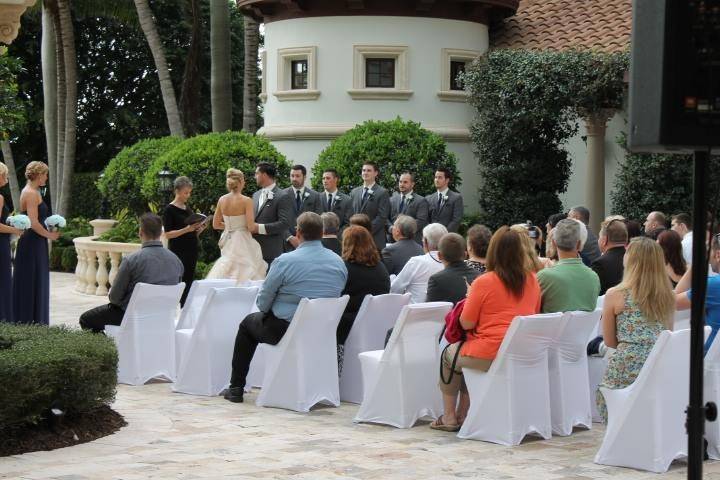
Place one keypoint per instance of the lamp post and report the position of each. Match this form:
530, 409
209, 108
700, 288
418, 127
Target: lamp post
166, 179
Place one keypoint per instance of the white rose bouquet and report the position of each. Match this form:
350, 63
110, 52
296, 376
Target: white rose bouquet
55, 222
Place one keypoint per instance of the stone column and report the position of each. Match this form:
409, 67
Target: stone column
595, 125
10, 12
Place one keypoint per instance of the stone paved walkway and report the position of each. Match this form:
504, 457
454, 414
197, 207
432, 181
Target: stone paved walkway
178, 436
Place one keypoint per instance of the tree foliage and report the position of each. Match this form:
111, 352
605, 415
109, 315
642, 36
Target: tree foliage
12, 112
396, 146
527, 106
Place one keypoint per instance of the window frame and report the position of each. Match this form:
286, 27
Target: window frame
400, 90
285, 57
447, 56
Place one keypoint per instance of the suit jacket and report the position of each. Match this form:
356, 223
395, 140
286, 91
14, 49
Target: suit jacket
448, 285
609, 267
591, 251
416, 207
332, 244
377, 207
310, 203
275, 214
451, 212
396, 255
342, 207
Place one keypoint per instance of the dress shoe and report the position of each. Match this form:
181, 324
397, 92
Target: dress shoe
234, 394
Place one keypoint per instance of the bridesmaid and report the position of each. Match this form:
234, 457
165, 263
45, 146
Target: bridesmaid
5, 265
182, 238
31, 277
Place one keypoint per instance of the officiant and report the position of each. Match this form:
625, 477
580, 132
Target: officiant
182, 227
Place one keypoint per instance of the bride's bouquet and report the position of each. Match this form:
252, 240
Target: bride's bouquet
54, 222
21, 222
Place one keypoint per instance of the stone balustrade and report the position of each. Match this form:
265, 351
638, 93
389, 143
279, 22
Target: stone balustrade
92, 275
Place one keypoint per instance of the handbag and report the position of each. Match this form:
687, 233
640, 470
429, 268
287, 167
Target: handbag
453, 330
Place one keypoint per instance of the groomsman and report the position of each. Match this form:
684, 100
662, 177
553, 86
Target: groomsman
273, 212
304, 199
374, 201
445, 206
332, 200
406, 202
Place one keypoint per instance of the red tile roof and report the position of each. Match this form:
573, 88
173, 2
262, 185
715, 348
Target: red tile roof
564, 24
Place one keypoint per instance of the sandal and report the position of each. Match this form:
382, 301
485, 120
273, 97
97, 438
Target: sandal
438, 424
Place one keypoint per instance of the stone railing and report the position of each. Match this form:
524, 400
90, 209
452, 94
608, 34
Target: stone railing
92, 275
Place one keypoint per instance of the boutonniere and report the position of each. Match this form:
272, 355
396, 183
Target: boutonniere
307, 194
338, 197
370, 192
408, 198
445, 198
270, 195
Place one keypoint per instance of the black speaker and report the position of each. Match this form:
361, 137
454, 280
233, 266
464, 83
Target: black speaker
675, 75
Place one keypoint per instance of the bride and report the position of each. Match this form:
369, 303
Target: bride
240, 255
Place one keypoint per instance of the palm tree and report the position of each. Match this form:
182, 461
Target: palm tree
250, 93
220, 82
70, 62
50, 96
147, 23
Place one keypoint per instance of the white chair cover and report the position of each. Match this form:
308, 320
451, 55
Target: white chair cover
513, 398
145, 338
252, 283
570, 402
681, 320
646, 419
712, 394
196, 299
302, 369
401, 382
376, 316
205, 352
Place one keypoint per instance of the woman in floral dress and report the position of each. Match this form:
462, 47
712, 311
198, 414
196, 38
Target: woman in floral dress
634, 314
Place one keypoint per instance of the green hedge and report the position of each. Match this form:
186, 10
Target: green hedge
206, 158
125, 231
86, 199
43, 367
124, 174
396, 146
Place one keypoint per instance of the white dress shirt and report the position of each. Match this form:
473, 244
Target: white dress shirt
414, 276
687, 247
263, 198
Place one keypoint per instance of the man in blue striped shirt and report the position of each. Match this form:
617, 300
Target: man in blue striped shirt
310, 271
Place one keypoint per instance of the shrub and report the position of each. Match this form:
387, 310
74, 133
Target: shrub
206, 158
396, 146
53, 367
202, 269
125, 231
69, 259
76, 227
86, 199
123, 178
56, 255
527, 105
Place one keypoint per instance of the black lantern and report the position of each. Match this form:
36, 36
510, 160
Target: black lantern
166, 179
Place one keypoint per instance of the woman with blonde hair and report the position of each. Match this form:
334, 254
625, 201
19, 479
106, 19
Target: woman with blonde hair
634, 314
6, 313
533, 262
240, 254
31, 275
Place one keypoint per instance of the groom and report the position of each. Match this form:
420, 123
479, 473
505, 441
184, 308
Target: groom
273, 213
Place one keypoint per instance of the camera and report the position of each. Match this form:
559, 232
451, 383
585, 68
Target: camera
532, 230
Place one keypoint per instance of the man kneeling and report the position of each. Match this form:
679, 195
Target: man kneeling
310, 271
152, 264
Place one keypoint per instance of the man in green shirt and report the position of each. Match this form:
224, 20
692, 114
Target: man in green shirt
569, 285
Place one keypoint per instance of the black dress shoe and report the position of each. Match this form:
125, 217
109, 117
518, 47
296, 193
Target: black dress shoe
234, 394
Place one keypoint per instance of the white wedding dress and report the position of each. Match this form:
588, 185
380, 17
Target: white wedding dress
240, 255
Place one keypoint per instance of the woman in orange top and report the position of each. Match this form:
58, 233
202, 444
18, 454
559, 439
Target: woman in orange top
506, 291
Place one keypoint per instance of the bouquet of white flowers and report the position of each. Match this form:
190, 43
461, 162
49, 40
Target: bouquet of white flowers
53, 222
21, 222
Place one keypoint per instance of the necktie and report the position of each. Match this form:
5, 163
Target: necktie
365, 195
298, 201
402, 203
329, 202
440, 200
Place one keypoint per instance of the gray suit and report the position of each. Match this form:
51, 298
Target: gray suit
310, 202
591, 250
275, 214
396, 255
449, 214
416, 207
377, 207
341, 206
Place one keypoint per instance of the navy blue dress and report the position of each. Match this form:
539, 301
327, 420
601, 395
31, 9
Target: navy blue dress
5, 271
31, 278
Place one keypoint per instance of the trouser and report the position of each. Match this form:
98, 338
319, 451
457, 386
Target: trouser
457, 381
96, 318
256, 328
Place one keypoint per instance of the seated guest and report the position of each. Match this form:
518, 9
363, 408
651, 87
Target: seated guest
634, 229
310, 271
712, 297
634, 314
395, 255
507, 290
478, 240
569, 285
331, 224
534, 262
655, 224
413, 278
671, 244
590, 251
450, 284
552, 223
362, 220
366, 275
152, 264
682, 224
612, 241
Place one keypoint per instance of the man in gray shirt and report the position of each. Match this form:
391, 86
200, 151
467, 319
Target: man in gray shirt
152, 264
